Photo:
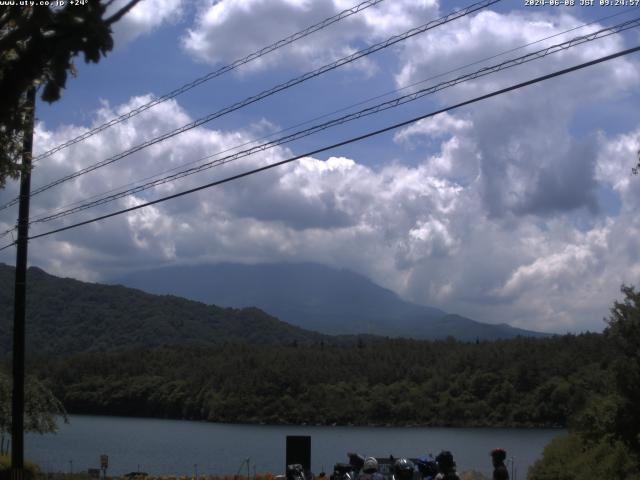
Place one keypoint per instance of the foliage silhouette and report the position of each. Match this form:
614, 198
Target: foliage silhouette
37, 46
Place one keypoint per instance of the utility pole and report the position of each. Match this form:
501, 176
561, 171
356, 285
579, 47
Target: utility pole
17, 404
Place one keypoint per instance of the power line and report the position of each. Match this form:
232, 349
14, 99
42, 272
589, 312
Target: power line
7, 232
504, 53
266, 93
343, 61
64, 209
216, 73
384, 106
363, 102
353, 116
344, 142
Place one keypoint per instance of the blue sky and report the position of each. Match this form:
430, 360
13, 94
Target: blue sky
518, 209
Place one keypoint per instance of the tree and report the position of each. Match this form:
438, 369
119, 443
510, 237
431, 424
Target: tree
41, 409
604, 441
569, 457
624, 332
37, 46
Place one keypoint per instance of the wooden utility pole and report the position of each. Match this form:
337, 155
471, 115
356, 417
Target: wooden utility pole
17, 405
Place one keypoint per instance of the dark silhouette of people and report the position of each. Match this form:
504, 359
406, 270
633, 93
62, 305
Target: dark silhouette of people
446, 466
403, 469
427, 467
498, 456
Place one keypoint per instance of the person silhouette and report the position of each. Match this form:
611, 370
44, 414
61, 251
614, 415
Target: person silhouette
500, 472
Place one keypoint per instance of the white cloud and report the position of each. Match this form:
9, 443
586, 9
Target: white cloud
410, 228
265, 22
498, 216
458, 158
434, 127
520, 144
574, 261
488, 33
616, 159
146, 16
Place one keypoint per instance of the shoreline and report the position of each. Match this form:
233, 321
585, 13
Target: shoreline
329, 425
169, 447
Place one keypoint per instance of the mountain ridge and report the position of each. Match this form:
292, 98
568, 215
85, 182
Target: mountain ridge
316, 297
66, 316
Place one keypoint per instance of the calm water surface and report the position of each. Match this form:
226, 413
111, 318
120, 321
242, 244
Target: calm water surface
175, 447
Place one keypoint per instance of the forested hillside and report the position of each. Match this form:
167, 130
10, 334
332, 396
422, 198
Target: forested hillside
67, 316
507, 383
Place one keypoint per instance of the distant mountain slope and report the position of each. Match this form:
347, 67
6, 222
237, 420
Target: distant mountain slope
69, 316
317, 298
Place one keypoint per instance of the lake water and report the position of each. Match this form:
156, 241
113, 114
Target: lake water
175, 447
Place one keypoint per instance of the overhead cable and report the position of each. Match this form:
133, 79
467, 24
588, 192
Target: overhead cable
334, 112
343, 61
342, 143
7, 232
216, 73
352, 116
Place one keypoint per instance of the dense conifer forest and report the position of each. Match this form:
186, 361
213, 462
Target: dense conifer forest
521, 382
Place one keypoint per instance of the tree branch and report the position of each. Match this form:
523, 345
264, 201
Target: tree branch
120, 13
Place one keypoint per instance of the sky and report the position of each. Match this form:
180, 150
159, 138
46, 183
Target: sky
521, 208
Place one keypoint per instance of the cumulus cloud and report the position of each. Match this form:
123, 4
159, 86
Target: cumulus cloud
411, 228
498, 216
434, 127
530, 163
265, 22
574, 262
616, 159
146, 16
